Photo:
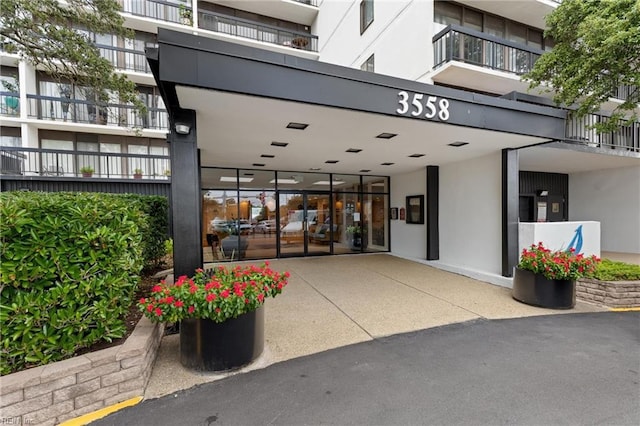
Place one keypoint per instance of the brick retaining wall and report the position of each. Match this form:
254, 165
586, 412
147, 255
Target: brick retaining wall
613, 294
63, 390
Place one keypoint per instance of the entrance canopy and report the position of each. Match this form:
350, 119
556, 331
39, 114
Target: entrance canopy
356, 122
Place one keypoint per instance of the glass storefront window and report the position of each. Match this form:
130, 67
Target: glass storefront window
211, 178
375, 184
257, 179
346, 183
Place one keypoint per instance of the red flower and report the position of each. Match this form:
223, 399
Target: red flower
191, 309
159, 312
178, 304
143, 301
193, 289
199, 270
156, 289
261, 297
150, 307
211, 297
280, 286
287, 274
224, 293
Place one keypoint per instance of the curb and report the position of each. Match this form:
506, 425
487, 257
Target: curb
103, 412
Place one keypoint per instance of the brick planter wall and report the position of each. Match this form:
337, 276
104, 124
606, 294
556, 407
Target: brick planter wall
63, 390
613, 294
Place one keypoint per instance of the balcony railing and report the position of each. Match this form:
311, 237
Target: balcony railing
625, 91
81, 111
581, 131
158, 9
456, 43
248, 29
125, 59
10, 104
22, 161
309, 2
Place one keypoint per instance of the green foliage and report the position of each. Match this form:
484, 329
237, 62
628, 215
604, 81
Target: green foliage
597, 49
155, 229
46, 34
69, 268
610, 270
168, 247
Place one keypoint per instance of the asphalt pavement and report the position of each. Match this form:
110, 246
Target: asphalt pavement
580, 368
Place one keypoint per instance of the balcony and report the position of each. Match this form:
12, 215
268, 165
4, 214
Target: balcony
89, 112
157, 9
10, 104
480, 61
533, 12
253, 31
19, 161
125, 59
579, 131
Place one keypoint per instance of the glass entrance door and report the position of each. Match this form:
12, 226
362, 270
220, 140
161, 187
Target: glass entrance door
306, 223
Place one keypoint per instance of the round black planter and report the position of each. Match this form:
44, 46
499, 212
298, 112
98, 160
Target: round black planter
209, 346
536, 290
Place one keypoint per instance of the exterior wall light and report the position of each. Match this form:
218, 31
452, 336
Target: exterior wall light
182, 129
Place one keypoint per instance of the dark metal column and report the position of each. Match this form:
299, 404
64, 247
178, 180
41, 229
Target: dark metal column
510, 210
186, 202
433, 231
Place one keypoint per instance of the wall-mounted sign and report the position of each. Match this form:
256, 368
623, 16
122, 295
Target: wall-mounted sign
422, 106
394, 213
402, 215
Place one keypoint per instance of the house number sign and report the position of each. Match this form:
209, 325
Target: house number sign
417, 106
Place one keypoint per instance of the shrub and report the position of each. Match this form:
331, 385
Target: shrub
69, 265
609, 270
155, 231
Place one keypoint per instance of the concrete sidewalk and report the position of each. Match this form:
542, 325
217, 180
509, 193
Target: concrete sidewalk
336, 301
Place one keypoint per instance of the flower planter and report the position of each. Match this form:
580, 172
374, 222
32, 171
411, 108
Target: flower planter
536, 290
209, 346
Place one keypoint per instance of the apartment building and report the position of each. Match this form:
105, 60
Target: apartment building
288, 128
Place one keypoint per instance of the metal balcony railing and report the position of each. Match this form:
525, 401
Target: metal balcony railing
625, 91
125, 59
581, 131
456, 43
9, 104
309, 2
157, 9
81, 111
251, 30
20, 161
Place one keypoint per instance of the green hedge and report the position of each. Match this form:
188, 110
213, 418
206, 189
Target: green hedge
69, 267
609, 270
155, 230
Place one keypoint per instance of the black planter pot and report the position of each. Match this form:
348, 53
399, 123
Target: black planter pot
209, 346
536, 290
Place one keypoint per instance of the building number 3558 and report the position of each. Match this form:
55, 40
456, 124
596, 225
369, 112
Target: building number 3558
419, 108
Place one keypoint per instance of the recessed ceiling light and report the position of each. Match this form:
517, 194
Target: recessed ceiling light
327, 183
280, 144
386, 164
267, 156
365, 171
416, 155
297, 126
258, 165
386, 135
331, 161
457, 144
285, 181
315, 169
354, 150
235, 179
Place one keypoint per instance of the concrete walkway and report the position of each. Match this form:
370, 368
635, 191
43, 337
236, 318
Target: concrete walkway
336, 301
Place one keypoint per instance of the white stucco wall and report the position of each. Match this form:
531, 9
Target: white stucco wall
408, 240
470, 214
399, 36
612, 197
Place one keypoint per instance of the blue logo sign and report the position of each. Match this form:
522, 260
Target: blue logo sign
576, 241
